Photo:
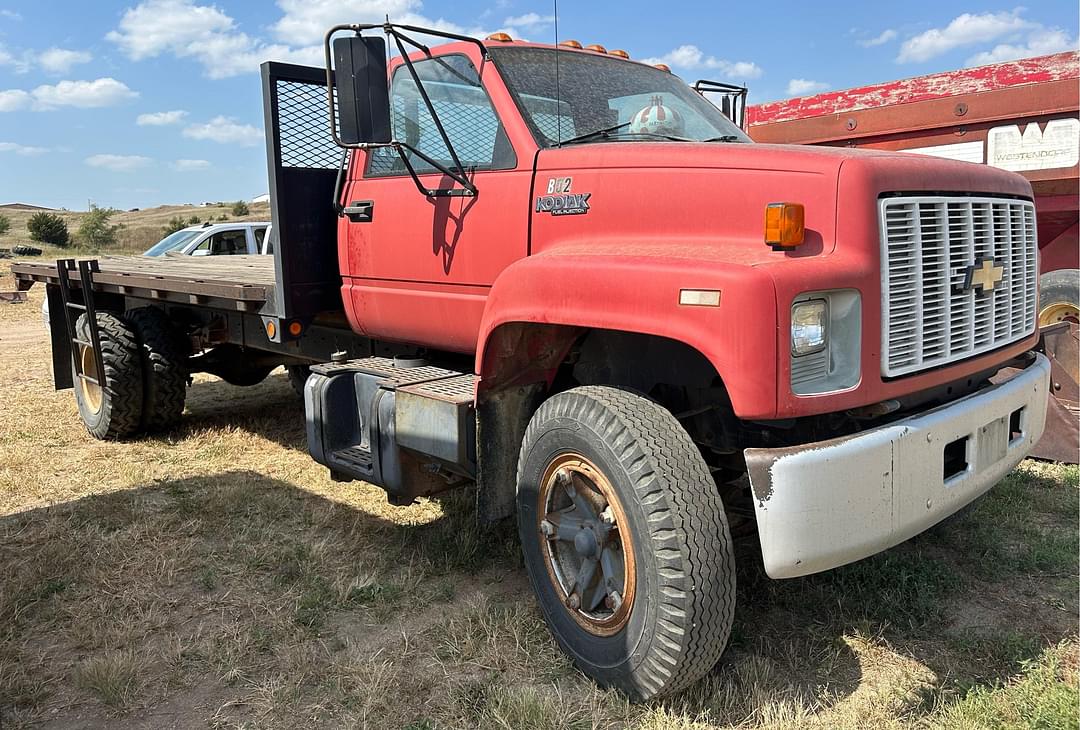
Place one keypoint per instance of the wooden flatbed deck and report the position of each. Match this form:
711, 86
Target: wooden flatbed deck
244, 283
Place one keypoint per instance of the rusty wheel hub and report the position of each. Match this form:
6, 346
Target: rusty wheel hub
91, 392
586, 545
1059, 312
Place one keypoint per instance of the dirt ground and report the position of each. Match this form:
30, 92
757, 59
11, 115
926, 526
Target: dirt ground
214, 576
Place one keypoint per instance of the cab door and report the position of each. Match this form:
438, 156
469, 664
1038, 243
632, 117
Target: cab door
418, 268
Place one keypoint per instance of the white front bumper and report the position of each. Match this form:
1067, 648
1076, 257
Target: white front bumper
829, 503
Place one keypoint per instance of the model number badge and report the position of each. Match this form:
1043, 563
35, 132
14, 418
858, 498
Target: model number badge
560, 201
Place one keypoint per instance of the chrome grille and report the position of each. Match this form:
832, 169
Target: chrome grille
928, 245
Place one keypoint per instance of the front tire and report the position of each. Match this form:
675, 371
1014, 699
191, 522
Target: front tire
114, 411
613, 494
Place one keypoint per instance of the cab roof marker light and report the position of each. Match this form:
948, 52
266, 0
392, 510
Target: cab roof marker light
501, 37
662, 67
596, 47
570, 43
619, 52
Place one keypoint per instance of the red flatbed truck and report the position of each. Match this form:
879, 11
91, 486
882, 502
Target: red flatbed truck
590, 295
1022, 116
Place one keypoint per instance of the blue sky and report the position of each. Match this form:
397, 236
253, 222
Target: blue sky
135, 103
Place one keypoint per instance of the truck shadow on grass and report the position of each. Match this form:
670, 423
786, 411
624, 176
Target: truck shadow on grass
235, 598
270, 410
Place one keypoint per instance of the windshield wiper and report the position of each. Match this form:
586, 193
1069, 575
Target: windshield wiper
723, 138
605, 132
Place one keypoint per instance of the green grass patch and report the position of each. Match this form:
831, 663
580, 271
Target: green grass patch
1044, 696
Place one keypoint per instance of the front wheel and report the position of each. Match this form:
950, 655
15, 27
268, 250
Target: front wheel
625, 540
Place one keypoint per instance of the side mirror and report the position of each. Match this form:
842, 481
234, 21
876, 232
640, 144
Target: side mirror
363, 96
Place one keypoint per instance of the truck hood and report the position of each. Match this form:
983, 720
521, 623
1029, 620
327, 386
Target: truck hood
707, 200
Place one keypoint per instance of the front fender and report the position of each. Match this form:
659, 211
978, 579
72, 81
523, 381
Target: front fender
637, 289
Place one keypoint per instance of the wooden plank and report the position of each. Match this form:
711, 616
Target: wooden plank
238, 278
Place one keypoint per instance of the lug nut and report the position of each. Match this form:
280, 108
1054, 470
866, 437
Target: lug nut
563, 477
547, 528
613, 601
573, 602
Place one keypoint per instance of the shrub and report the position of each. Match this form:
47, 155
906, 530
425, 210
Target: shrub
95, 230
48, 228
193, 220
240, 208
5, 224
175, 224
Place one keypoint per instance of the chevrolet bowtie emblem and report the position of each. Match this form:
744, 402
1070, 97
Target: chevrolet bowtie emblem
983, 276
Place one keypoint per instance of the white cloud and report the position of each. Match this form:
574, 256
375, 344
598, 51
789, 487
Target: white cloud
886, 35
203, 33
209, 36
5, 57
530, 21
190, 165
160, 119
118, 163
10, 15
22, 149
305, 22
82, 94
14, 100
691, 57
964, 30
802, 87
60, 60
1040, 43
225, 131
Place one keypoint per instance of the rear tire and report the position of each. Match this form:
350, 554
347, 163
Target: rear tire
678, 566
164, 364
114, 411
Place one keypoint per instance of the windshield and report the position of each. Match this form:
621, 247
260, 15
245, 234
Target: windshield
173, 242
607, 98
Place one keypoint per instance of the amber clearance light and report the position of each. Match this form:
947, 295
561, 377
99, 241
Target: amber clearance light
784, 225
501, 37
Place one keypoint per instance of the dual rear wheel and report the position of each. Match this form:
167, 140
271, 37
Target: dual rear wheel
145, 381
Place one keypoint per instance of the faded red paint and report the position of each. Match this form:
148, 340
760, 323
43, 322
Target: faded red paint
663, 216
1056, 67
946, 108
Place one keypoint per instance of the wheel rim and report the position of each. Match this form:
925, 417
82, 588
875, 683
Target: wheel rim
1059, 312
91, 392
586, 544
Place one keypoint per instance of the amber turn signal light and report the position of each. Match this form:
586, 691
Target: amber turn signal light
784, 224
501, 37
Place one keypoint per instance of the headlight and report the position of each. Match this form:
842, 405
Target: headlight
809, 327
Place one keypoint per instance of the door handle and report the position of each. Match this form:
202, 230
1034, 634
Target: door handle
360, 211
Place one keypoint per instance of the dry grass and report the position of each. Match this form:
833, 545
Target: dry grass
139, 230
215, 576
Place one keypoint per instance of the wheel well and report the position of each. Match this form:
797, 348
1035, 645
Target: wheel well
526, 363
